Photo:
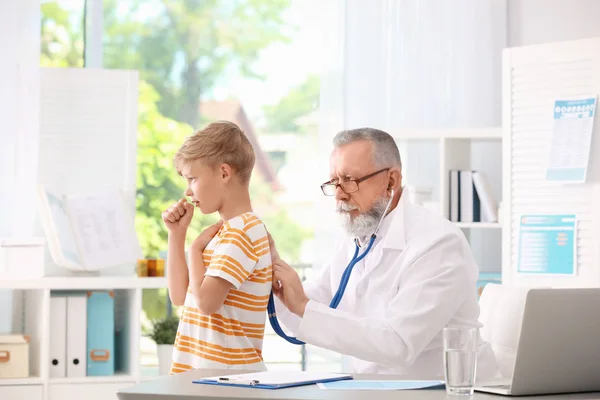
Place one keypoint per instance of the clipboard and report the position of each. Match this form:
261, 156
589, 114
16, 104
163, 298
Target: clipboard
273, 379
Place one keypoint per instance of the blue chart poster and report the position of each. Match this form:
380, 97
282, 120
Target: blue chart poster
547, 244
571, 139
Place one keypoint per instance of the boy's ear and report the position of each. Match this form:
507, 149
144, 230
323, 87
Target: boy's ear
226, 172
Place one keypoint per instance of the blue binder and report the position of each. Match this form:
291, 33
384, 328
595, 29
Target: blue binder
273, 380
100, 334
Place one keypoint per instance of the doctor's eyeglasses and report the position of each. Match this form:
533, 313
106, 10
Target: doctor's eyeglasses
349, 186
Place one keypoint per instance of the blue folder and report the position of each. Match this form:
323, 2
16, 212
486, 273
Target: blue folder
100, 333
273, 380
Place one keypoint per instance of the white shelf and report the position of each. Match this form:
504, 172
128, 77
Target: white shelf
468, 133
479, 225
95, 379
83, 283
21, 381
153, 283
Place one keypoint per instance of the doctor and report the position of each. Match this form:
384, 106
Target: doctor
418, 277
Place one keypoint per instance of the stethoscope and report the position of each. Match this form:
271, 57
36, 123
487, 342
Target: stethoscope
335, 301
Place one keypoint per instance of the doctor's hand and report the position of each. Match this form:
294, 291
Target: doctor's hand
177, 218
274, 254
288, 287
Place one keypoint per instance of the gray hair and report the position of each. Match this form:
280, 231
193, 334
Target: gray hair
385, 150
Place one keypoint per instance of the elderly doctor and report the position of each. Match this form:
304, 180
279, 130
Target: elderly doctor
418, 277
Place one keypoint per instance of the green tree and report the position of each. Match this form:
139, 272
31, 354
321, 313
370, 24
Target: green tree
288, 235
183, 47
158, 183
61, 40
155, 304
300, 101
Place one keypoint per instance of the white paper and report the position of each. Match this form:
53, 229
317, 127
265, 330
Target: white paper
105, 233
571, 139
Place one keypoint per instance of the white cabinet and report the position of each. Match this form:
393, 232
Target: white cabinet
32, 315
89, 391
20, 392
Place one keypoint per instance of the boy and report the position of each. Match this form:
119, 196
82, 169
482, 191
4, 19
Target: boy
225, 286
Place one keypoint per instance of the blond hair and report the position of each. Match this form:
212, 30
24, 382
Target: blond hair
220, 142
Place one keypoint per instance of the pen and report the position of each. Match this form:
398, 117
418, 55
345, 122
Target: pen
237, 381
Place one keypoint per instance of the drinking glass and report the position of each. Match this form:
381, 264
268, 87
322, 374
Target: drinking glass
460, 359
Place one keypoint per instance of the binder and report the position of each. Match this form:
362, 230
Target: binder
273, 379
470, 207
58, 334
466, 196
483, 188
76, 336
100, 334
454, 202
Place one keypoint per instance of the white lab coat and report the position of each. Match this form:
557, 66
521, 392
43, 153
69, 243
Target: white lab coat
419, 277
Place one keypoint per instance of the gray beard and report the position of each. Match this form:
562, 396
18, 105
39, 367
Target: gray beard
364, 224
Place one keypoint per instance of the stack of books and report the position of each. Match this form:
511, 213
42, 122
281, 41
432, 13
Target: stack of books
471, 197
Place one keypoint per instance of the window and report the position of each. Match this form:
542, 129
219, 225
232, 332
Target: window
255, 63
62, 35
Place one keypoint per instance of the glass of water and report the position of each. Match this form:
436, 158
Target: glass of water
460, 359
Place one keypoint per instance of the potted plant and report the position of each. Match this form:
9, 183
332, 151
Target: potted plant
163, 334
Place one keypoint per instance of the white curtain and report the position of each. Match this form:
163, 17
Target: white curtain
19, 112
431, 63
331, 120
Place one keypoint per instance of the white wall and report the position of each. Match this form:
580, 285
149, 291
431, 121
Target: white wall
19, 112
532, 22
542, 21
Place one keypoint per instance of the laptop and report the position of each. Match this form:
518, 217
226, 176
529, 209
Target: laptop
559, 345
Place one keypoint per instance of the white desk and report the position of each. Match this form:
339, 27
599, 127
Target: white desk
180, 387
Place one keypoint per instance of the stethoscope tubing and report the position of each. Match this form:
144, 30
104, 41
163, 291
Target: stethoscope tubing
335, 301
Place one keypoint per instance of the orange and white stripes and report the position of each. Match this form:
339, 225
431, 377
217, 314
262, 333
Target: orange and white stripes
246, 301
230, 266
233, 336
227, 326
264, 275
241, 240
225, 355
178, 367
261, 246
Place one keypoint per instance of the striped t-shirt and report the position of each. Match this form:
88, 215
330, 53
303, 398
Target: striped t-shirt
232, 337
